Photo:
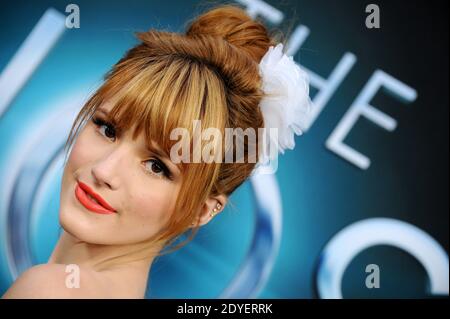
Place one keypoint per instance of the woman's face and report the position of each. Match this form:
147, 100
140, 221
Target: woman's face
141, 186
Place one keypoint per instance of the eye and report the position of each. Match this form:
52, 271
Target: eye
156, 167
105, 128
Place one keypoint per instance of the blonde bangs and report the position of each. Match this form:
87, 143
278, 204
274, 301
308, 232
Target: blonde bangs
162, 97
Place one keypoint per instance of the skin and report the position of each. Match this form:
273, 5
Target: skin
114, 252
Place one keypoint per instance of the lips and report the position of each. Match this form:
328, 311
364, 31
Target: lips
91, 200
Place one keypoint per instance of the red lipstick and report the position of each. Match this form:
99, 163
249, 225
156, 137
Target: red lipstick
91, 200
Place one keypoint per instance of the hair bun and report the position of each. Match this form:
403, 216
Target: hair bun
232, 24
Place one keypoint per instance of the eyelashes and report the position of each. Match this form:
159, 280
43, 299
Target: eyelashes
159, 166
108, 130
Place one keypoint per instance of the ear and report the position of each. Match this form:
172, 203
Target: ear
213, 205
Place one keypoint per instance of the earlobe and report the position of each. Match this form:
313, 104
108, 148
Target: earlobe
216, 209
216, 204
210, 208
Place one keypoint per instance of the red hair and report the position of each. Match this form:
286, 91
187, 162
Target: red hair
169, 80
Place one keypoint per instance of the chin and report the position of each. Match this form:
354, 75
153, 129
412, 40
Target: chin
72, 224
84, 225
81, 223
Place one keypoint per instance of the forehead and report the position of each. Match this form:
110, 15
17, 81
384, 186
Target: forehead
106, 105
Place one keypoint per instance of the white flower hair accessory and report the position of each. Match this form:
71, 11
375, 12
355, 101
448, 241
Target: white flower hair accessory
287, 102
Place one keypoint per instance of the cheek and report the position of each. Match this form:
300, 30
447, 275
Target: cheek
83, 150
76, 159
154, 203
149, 204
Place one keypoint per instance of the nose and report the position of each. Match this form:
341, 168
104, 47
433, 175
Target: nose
106, 170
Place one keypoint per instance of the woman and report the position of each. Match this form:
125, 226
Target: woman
123, 197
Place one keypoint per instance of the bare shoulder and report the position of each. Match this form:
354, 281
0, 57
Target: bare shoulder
57, 281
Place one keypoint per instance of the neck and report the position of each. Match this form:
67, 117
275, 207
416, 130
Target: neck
129, 264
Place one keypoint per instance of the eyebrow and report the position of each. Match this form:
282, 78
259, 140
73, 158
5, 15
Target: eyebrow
157, 151
102, 110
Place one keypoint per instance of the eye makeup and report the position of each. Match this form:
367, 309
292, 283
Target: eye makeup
108, 130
